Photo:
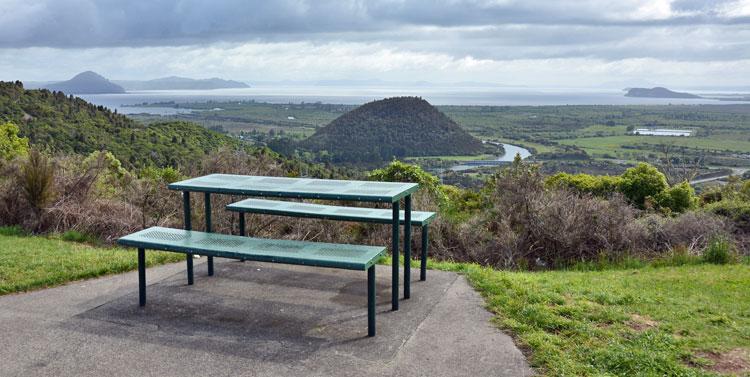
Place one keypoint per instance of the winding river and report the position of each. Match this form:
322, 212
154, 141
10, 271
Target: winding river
510, 153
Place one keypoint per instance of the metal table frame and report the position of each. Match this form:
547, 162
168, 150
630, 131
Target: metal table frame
300, 188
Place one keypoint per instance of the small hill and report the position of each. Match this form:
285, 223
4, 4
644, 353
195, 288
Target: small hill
68, 124
657, 92
181, 83
393, 127
86, 83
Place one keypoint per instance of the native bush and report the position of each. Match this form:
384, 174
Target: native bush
597, 185
678, 198
720, 250
642, 182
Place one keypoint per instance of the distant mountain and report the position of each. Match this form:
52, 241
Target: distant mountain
181, 83
86, 83
657, 92
393, 127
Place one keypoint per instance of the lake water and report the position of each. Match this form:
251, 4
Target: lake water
355, 95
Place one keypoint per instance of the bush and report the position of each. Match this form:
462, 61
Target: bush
678, 198
642, 182
12, 146
601, 185
719, 251
14, 230
76, 236
734, 209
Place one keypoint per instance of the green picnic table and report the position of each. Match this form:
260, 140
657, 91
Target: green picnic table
308, 188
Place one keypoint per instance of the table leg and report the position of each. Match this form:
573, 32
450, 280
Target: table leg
425, 242
207, 201
407, 247
188, 226
371, 301
394, 256
141, 277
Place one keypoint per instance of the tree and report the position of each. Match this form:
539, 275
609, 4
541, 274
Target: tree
678, 198
642, 182
11, 145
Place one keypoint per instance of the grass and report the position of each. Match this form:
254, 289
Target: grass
643, 321
28, 263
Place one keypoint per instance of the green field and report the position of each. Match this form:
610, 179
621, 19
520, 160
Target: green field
37, 262
721, 132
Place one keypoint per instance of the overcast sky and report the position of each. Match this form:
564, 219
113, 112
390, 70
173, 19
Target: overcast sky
575, 43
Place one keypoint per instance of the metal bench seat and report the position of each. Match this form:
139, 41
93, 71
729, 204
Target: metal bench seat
330, 212
351, 257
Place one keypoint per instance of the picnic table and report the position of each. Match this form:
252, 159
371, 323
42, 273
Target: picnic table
308, 188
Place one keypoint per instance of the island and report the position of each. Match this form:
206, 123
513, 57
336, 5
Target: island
181, 83
86, 83
658, 92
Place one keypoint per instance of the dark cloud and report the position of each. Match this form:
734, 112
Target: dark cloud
109, 23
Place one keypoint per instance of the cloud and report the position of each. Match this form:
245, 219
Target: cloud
492, 40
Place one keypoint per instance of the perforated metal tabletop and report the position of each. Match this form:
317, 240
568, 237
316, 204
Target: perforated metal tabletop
302, 188
352, 257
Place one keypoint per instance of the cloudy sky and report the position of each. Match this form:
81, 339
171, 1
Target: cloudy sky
574, 43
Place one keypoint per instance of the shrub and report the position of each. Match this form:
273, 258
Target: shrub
734, 209
719, 251
11, 145
602, 185
76, 236
642, 182
14, 230
678, 198
398, 171
36, 180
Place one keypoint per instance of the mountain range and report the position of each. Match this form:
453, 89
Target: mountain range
180, 83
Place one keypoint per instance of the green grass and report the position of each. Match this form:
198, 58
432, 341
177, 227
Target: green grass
644, 321
28, 263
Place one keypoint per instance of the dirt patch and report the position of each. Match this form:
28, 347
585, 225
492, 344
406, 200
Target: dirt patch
638, 322
733, 362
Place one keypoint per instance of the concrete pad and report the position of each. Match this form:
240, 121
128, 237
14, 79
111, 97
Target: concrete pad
252, 319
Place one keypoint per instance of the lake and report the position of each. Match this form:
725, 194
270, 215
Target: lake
355, 95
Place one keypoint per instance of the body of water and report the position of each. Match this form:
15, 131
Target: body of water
508, 156
661, 132
355, 95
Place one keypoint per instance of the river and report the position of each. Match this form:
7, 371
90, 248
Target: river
509, 155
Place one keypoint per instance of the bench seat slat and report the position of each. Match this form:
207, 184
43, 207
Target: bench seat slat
330, 212
352, 257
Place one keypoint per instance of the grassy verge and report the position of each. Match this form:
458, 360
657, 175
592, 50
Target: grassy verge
690, 320
36, 262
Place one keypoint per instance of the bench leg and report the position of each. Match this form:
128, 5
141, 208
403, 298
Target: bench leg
407, 247
188, 226
141, 277
242, 228
189, 259
371, 301
207, 201
394, 256
423, 265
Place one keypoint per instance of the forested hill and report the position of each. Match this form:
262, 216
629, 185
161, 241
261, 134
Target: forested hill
60, 123
393, 127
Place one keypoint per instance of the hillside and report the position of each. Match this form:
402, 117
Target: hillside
658, 92
392, 127
68, 124
86, 83
181, 83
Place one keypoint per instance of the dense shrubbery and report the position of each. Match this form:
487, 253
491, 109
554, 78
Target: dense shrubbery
519, 220
643, 185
